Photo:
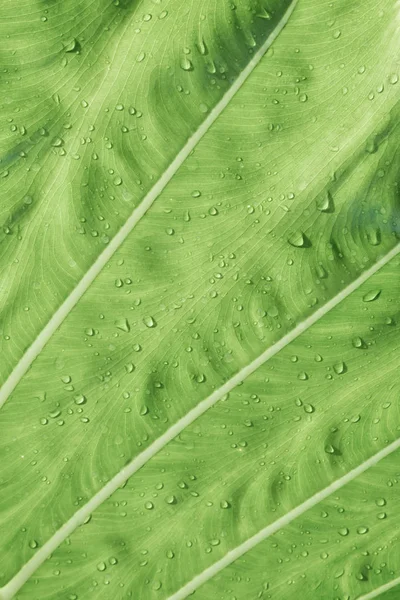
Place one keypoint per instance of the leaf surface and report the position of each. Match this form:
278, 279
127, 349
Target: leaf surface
215, 388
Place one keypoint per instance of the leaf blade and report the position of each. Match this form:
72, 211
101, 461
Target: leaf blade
247, 336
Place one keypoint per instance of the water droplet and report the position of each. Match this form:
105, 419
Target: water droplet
123, 325
374, 237
362, 530
72, 46
80, 399
321, 272
325, 204
359, 343
340, 368
149, 322
264, 14
302, 376
202, 48
101, 566
171, 500
393, 78
57, 142
149, 506
380, 502
309, 408
186, 64
372, 295
33, 544
157, 585
344, 531
299, 240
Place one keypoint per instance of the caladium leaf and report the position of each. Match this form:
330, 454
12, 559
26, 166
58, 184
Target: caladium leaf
199, 299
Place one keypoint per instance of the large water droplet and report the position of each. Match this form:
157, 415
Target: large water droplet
123, 325
149, 322
186, 64
299, 240
372, 295
326, 204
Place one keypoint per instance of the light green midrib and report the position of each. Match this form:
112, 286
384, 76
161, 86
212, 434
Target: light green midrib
380, 590
63, 311
266, 532
8, 591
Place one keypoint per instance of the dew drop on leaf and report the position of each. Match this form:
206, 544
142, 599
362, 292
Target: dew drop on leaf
362, 530
186, 64
80, 399
372, 295
325, 204
149, 322
359, 343
339, 368
123, 325
299, 240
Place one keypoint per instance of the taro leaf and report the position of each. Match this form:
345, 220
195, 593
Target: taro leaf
199, 299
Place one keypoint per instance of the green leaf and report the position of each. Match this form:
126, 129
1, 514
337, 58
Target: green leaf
199, 299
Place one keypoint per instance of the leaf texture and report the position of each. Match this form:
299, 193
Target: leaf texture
209, 413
